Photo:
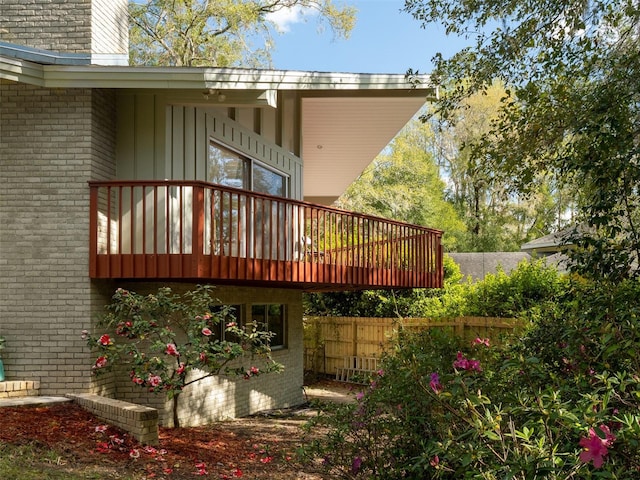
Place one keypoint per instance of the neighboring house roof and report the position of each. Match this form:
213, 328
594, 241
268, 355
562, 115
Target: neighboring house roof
478, 264
549, 243
347, 118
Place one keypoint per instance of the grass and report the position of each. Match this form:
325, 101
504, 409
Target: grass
31, 462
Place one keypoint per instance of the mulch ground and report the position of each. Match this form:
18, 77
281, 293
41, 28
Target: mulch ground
257, 447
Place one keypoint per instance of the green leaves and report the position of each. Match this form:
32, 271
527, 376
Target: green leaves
222, 33
573, 118
168, 341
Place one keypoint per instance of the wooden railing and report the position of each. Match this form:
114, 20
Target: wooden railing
197, 230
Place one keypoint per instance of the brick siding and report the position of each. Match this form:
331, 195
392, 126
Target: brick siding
219, 398
53, 141
67, 26
58, 25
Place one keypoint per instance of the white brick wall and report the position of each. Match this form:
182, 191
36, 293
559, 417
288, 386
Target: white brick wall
221, 398
47, 143
110, 27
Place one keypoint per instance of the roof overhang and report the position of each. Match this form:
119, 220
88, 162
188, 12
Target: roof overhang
347, 119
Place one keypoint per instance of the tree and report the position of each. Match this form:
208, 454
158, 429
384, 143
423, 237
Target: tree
167, 341
403, 184
570, 110
496, 218
217, 33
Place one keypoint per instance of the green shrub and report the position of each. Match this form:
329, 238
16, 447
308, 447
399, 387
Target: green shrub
563, 403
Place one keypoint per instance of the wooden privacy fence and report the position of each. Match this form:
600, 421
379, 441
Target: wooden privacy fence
333, 342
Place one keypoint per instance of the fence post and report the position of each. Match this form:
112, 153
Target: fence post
354, 336
460, 324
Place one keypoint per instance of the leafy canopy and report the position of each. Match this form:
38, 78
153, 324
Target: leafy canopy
403, 184
570, 109
218, 33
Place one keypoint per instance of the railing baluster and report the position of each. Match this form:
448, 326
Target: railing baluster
251, 236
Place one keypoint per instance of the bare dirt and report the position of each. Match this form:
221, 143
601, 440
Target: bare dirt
263, 446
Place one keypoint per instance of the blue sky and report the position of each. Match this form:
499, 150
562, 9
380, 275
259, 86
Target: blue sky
384, 40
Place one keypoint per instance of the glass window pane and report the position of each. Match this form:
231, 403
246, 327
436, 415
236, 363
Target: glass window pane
226, 168
276, 325
271, 318
267, 181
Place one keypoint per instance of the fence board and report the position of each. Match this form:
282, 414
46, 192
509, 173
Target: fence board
329, 340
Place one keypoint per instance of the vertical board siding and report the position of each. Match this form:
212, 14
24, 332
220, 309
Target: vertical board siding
158, 140
329, 340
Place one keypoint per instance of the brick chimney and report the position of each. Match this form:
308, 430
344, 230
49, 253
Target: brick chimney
98, 28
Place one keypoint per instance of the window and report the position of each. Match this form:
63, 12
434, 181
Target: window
271, 318
229, 168
227, 313
241, 226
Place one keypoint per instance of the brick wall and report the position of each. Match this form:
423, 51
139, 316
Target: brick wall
110, 27
219, 398
58, 25
51, 144
99, 27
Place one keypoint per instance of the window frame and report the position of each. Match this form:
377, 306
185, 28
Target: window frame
220, 332
249, 168
264, 323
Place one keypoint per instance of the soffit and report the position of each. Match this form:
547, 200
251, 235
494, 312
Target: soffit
341, 136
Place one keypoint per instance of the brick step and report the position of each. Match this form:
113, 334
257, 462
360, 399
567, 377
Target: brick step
19, 388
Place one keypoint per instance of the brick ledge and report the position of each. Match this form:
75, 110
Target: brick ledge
19, 388
138, 420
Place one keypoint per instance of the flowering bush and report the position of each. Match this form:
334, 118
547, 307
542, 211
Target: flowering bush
565, 409
161, 338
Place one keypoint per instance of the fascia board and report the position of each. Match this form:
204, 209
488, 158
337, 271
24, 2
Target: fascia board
21, 71
225, 78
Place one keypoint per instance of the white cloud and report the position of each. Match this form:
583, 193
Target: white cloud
286, 17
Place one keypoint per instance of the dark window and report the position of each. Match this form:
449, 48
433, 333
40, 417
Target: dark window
271, 318
229, 168
227, 314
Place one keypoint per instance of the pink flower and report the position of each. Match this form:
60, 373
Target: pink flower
266, 459
254, 370
435, 461
134, 453
206, 331
101, 428
172, 350
100, 362
481, 341
154, 380
203, 357
180, 369
201, 468
435, 383
463, 363
355, 465
475, 365
359, 395
237, 473
232, 324
105, 340
102, 447
137, 380
595, 447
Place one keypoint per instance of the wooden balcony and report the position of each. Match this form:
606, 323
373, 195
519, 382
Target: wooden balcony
197, 231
